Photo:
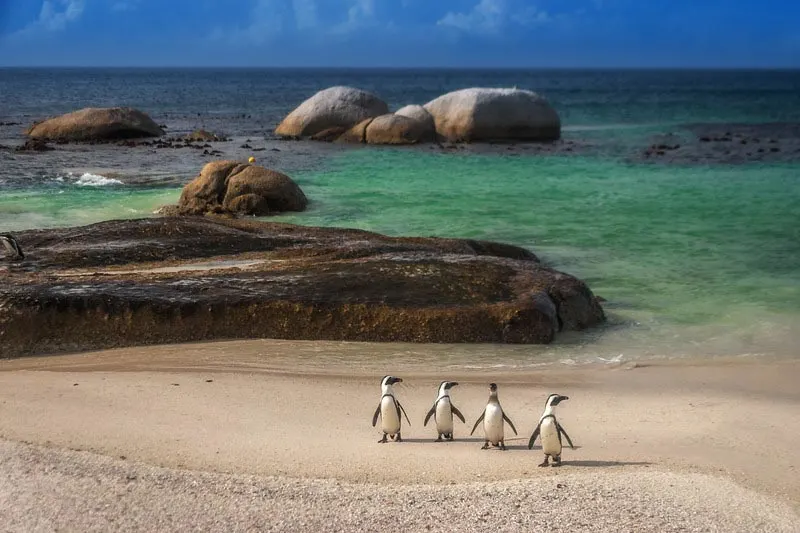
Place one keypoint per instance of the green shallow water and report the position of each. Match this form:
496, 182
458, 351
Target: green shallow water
692, 260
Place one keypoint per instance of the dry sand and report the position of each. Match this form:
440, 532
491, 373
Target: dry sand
239, 443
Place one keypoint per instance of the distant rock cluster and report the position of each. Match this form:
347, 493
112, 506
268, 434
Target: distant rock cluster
346, 114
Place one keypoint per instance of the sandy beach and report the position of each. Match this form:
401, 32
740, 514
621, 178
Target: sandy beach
211, 437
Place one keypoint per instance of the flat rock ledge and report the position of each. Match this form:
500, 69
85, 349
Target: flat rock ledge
176, 279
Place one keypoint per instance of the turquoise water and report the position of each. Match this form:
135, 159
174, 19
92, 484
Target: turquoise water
685, 243
692, 260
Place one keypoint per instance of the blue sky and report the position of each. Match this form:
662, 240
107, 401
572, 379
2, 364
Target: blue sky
401, 33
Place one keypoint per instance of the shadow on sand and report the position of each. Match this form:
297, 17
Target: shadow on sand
605, 464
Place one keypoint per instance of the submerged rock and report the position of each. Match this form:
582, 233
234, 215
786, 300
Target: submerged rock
336, 107
34, 145
478, 114
97, 124
204, 136
239, 188
180, 279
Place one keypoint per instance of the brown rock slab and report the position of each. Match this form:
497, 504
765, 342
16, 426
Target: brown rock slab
180, 279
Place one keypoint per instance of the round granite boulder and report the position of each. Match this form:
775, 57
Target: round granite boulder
479, 114
97, 124
335, 107
233, 187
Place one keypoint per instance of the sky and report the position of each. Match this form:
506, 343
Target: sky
402, 33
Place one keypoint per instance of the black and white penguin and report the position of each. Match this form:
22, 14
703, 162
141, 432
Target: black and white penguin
13, 249
551, 431
389, 411
443, 411
493, 418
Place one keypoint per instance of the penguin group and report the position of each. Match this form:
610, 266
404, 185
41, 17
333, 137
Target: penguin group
494, 419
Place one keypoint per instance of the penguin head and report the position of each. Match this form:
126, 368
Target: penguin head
390, 380
492, 389
555, 399
445, 386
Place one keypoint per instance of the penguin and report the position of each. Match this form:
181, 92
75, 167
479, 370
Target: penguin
13, 249
443, 411
551, 431
493, 417
389, 411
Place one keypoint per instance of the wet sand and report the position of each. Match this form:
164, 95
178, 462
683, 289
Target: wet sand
217, 439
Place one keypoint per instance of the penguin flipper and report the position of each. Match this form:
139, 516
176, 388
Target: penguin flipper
510, 423
478, 421
560, 431
457, 413
534, 436
400, 408
376, 415
429, 415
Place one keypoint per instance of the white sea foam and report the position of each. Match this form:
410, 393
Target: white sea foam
96, 180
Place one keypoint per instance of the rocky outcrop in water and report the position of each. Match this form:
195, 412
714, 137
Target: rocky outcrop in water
478, 114
179, 279
97, 124
348, 115
336, 107
232, 187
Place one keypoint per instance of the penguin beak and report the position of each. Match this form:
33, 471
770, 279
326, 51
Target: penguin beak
562, 398
397, 380
454, 383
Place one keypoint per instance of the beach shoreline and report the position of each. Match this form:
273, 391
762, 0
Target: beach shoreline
709, 424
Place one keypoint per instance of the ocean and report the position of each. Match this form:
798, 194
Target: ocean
697, 252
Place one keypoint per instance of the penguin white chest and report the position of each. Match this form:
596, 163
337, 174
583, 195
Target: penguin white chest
493, 423
444, 416
551, 445
390, 419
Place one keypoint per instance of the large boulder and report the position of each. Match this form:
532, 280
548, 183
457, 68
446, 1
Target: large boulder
336, 107
494, 114
185, 279
97, 124
398, 129
239, 188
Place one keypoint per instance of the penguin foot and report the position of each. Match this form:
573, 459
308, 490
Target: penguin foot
503, 445
450, 437
556, 461
485, 446
383, 440
439, 438
398, 438
546, 461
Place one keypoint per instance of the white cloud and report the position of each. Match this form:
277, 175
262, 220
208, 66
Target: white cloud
490, 16
361, 13
54, 16
305, 14
270, 19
